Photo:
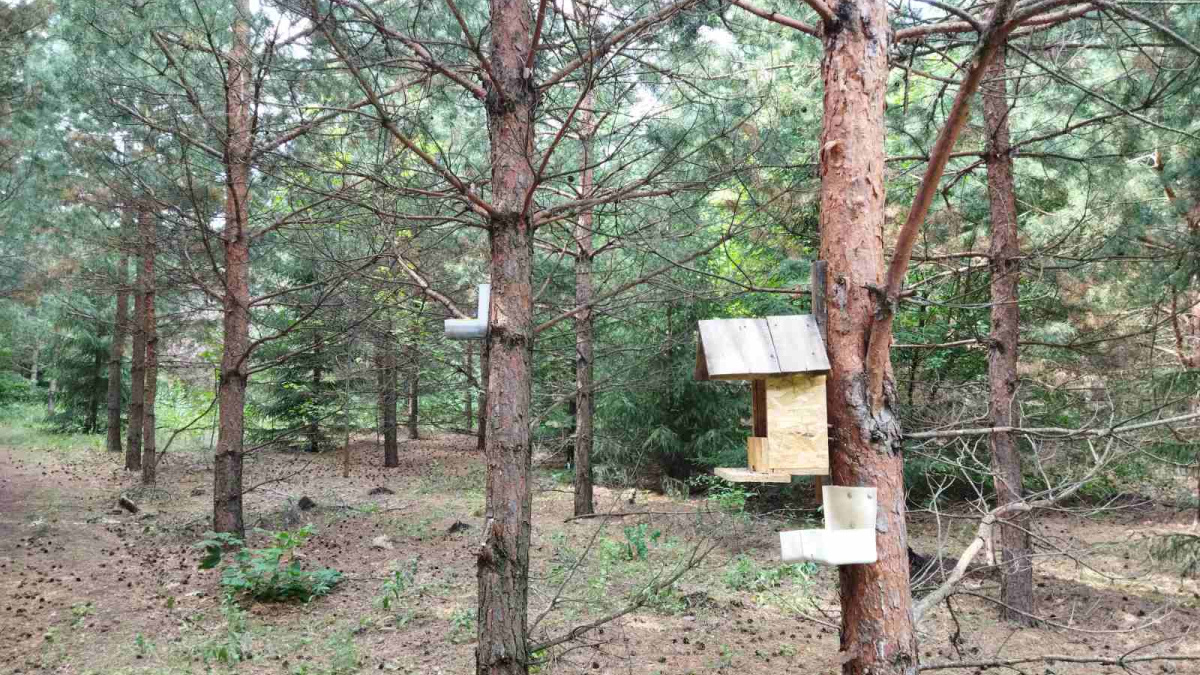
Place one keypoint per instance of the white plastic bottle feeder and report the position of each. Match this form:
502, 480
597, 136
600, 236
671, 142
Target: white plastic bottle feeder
849, 534
472, 329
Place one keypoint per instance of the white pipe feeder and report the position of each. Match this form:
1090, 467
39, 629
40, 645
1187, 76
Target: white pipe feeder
472, 329
849, 534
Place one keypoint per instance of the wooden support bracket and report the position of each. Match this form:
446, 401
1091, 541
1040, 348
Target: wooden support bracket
747, 476
849, 534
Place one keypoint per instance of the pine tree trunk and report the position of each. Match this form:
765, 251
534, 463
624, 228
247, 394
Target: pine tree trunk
116, 353
346, 419
387, 398
314, 415
33, 368
92, 424
1016, 561
584, 350
468, 368
877, 631
149, 243
137, 369
51, 396
228, 460
414, 393
484, 376
503, 560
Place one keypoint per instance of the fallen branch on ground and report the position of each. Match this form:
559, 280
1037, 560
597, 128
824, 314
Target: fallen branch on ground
1051, 659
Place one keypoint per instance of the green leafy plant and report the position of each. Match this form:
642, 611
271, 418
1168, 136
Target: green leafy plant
638, 539
665, 599
727, 497
230, 645
745, 574
462, 624
142, 645
271, 574
392, 592
81, 612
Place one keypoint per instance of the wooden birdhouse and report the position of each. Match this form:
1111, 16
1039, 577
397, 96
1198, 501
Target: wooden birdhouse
784, 359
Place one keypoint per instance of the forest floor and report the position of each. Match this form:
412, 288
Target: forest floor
86, 587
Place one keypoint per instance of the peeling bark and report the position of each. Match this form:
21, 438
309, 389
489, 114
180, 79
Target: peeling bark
877, 635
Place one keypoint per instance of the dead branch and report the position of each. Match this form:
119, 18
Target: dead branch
1064, 432
644, 596
1050, 659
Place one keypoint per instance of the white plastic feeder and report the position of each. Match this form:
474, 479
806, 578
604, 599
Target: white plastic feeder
472, 329
849, 534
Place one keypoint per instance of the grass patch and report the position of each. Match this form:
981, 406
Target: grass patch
22, 427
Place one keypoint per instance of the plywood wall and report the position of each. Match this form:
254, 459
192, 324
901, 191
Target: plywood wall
797, 427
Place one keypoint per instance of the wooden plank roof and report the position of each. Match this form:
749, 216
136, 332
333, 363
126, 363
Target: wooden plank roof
747, 349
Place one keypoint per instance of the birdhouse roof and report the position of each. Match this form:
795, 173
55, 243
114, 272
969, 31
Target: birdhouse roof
749, 349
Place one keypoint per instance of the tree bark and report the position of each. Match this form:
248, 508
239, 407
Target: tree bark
51, 396
346, 415
584, 349
414, 392
137, 368
149, 244
484, 377
1016, 561
877, 634
116, 353
387, 398
314, 414
468, 398
227, 466
92, 424
503, 560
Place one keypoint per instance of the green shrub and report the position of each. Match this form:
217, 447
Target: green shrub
636, 546
271, 574
462, 625
229, 646
727, 497
394, 591
745, 574
14, 388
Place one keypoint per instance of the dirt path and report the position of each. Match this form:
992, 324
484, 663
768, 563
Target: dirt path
65, 557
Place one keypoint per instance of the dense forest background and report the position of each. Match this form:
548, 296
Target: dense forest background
237, 227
